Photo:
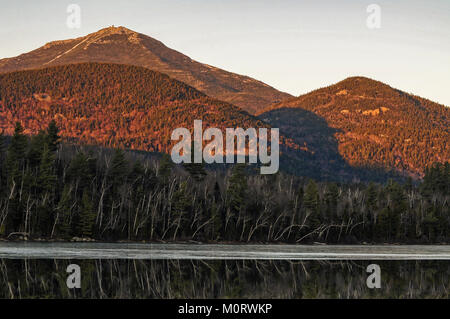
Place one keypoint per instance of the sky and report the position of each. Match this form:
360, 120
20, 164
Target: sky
293, 45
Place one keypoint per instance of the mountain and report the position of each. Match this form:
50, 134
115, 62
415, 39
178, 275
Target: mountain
368, 124
123, 46
357, 129
111, 105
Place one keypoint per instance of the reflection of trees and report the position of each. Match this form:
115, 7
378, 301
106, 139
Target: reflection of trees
222, 279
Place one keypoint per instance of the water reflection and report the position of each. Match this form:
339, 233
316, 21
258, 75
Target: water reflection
222, 279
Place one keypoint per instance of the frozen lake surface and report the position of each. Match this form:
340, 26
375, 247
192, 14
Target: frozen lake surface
33, 250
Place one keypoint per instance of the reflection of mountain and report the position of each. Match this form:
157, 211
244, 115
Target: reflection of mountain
123, 46
112, 105
368, 124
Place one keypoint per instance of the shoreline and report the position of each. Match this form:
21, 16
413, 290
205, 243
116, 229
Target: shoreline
192, 242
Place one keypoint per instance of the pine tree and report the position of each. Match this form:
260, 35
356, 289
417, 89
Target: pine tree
53, 139
87, 215
388, 222
237, 188
311, 203
430, 223
64, 217
15, 160
81, 169
15, 166
383, 225
137, 172
118, 170
45, 189
46, 178
180, 206
36, 148
371, 197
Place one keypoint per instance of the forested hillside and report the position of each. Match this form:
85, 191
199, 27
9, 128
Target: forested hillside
367, 124
111, 105
54, 191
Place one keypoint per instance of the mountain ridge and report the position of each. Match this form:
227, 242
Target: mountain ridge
111, 105
374, 124
124, 46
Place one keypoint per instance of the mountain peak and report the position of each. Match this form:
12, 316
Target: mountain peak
361, 81
121, 45
374, 125
119, 29
113, 30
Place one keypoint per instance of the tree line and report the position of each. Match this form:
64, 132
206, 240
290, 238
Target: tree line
57, 191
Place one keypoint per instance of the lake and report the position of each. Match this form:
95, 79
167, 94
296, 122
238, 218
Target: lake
122, 270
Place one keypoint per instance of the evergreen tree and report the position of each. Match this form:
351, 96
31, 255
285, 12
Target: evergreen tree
45, 186
15, 160
397, 198
36, 148
47, 178
436, 179
180, 206
53, 138
237, 187
15, 166
137, 172
64, 217
81, 170
384, 224
311, 203
371, 197
118, 171
430, 223
87, 215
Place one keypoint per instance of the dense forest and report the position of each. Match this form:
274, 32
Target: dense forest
56, 191
367, 124
358, 129
111, 105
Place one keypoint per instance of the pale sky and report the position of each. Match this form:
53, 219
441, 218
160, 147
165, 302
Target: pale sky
294, 45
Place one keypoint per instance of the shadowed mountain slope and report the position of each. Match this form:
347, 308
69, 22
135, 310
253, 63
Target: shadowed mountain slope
373, 126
